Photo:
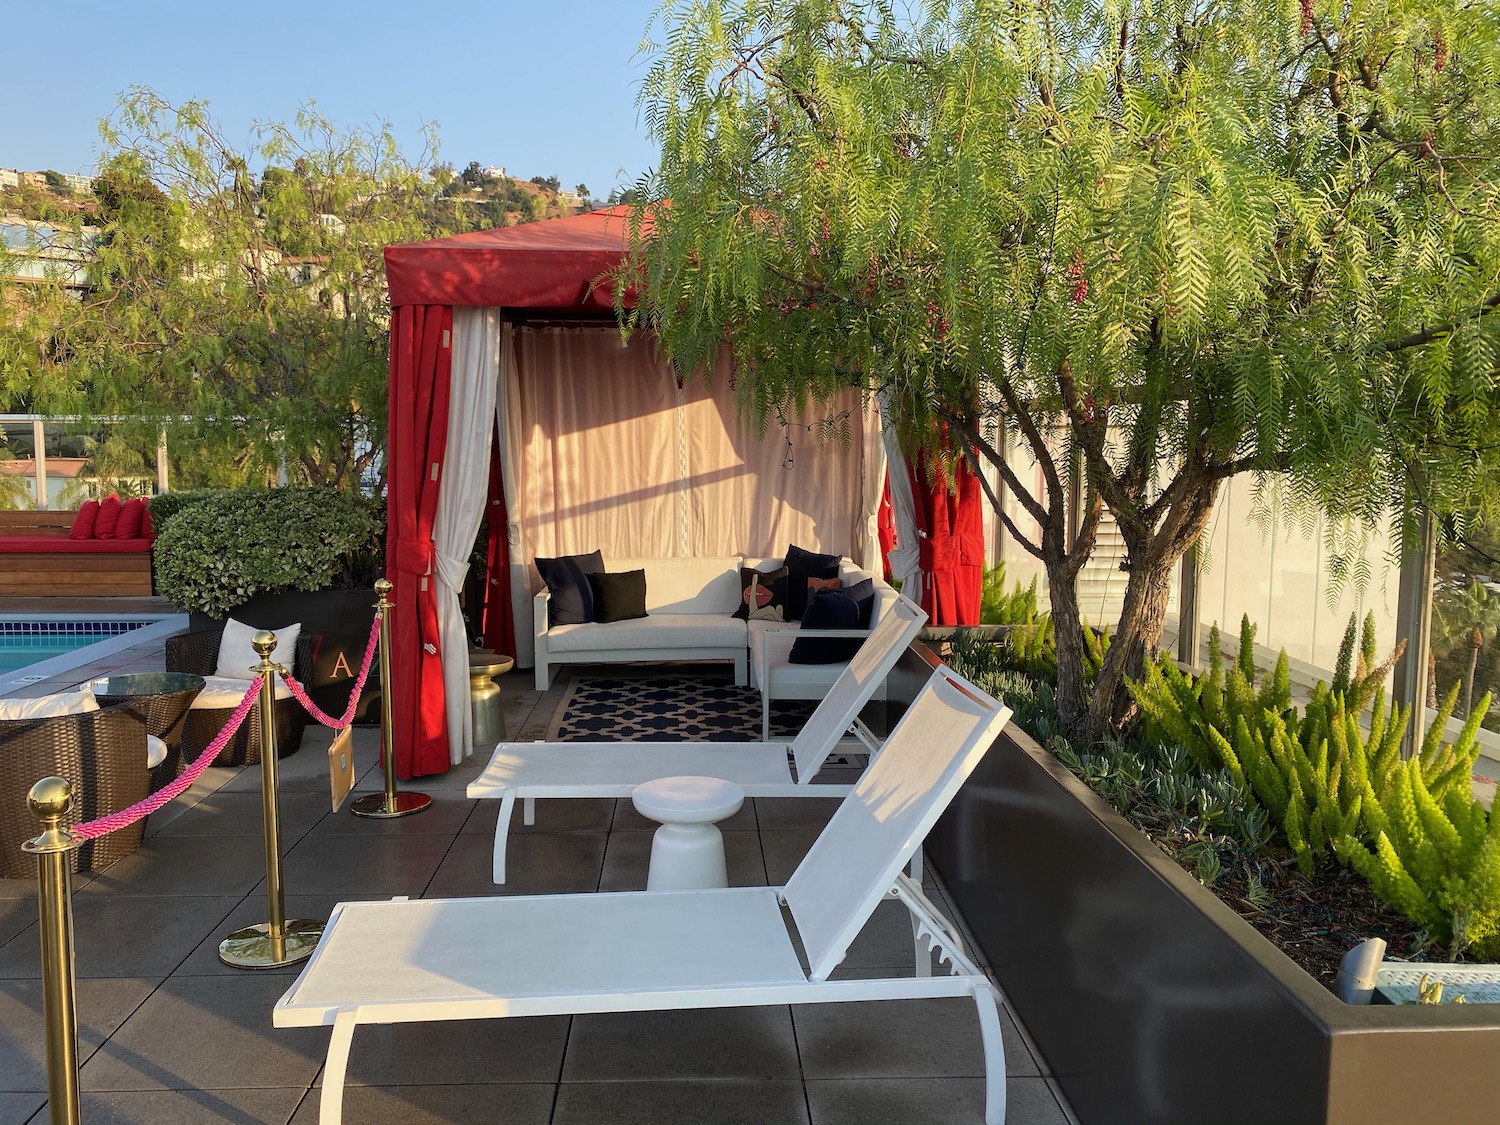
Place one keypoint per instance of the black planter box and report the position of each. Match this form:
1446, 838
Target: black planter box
342, 619
1153, 1002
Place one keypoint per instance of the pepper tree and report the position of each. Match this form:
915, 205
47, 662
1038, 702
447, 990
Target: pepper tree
1163, 241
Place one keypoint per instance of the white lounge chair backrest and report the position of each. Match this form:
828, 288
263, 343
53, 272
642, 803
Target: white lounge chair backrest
898, 624
880, 825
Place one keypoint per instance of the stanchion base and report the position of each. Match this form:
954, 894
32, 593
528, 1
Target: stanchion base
251, 947
374, 806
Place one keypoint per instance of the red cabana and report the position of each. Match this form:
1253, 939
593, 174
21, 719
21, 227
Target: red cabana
456, 303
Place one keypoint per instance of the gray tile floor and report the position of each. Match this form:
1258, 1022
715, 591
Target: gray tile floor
170, 1036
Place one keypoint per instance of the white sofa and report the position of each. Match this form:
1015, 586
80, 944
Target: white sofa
689, 606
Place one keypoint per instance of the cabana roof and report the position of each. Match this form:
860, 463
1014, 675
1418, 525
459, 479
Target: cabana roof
556, 265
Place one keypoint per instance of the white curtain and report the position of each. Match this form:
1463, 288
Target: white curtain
461, 495
866, 547
904, 556
512, 443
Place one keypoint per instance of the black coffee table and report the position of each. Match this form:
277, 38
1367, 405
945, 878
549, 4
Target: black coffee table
161, 700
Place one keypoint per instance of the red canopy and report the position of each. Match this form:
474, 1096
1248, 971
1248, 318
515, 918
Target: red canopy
553, 265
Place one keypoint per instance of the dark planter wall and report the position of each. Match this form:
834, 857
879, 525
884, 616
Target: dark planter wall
342, 618
1154, 1003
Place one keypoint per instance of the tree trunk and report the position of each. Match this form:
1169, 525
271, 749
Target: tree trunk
1135, 641
1067, 629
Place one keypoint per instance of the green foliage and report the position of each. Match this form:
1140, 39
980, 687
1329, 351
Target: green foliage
1177, 240
165, 505
217, 552
996, 607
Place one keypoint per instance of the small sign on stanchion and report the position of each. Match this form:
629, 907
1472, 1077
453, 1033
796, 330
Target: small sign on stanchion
384, 806
341, 766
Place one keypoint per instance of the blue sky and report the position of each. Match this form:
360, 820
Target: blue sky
544, 89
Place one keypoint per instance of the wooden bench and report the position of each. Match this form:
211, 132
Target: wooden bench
37, 559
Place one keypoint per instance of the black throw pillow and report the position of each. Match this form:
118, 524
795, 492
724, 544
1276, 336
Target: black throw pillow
826, 609
769, 596
619, 595
572, 601
802, 565
863, 596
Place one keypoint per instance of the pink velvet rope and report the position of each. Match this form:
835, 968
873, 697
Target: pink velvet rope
115, 821
300, 694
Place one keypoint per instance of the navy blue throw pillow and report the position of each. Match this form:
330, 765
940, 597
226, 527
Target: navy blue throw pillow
572, 601
863, 596
802, 565
826, 609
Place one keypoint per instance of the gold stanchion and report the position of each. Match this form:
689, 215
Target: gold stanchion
49, 800
383, 806
277, 942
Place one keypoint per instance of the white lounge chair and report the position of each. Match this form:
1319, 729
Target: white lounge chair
494, 958
613, 769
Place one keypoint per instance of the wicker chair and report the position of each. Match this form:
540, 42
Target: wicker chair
102, 753
198, 653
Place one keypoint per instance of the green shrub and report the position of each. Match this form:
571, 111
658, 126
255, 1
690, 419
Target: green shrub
218, 551
996, 607
165, 505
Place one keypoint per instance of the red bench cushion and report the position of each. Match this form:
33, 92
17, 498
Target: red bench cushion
62, 545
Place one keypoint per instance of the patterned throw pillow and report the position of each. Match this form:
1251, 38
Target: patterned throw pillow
762, 595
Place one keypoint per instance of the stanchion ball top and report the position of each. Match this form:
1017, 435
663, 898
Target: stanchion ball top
264, 642
50, 798
383, 586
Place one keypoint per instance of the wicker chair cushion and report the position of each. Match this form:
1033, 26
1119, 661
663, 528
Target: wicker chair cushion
220, 692
156, 751
47, 706
236, 657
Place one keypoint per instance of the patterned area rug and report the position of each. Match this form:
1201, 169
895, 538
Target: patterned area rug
668, 709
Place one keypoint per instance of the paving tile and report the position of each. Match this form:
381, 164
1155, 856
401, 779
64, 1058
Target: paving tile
542, 863
891, 1039
16, 915
627, 861
185, 865
103, 1005
306, 770
444, 817
783, 851
190, 1107
794, 813
628, 820
458, 1052
681, 1103
711, 1043
369, 865
242, 814
252, 910
17, 1109
928, 1101
208, 1033
19, 888
125, 935
511, 1104
590, 814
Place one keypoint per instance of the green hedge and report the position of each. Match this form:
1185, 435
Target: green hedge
216, 551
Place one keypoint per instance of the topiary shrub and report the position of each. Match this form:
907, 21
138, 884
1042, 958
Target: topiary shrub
218, 551
165, 505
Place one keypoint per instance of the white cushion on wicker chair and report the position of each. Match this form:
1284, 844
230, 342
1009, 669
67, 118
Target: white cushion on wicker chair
237, 657
156, 751
47, 706
220, 692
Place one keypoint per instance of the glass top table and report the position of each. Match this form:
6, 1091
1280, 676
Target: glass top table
132, 685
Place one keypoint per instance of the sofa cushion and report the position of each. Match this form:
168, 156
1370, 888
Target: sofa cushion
656, 632
801, 566
572, 600
687, 585
109, 517
49, 706
762, 594
83, 522
237, 656
619, 595
826, 609
220, 692
129, 526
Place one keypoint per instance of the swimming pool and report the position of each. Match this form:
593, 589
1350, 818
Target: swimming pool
32, 641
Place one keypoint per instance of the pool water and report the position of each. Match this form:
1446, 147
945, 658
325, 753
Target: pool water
18, 652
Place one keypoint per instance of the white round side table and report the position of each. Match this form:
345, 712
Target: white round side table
687, 852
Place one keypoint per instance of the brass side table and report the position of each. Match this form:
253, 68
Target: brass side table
485, 701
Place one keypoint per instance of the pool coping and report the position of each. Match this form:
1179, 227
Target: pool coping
161, 627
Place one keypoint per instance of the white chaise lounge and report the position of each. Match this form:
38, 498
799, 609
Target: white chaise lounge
613, 769
497, 958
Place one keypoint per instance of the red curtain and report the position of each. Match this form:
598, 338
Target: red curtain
886, 527
499, 617
950, 545
421, 365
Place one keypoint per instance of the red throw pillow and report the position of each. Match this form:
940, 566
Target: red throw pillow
147, 531
129, 526
109, 517
83, 522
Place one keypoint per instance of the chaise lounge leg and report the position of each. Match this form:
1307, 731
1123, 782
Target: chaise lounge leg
502, 834
923, 949
331, 1105
986, 1001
